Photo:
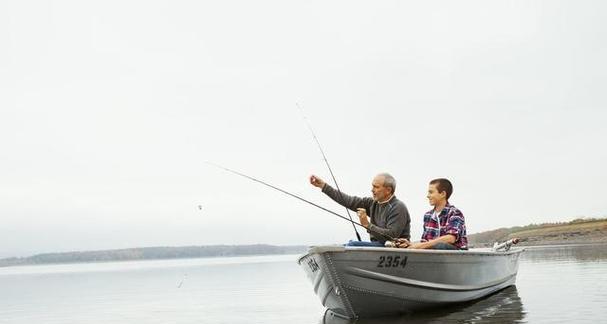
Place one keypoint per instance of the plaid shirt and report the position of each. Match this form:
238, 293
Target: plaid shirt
451, 222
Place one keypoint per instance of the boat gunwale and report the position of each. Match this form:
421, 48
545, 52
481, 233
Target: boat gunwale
321, 249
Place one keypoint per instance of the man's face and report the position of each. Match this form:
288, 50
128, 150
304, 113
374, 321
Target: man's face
380, 193
434, 197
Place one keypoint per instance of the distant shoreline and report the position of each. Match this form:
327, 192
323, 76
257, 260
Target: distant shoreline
580, 231
153, 253
15, 262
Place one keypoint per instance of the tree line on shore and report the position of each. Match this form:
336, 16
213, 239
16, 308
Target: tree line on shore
154, 253
575, 231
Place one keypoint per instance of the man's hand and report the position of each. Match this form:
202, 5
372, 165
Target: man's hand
402, 243
362, 216
316, 181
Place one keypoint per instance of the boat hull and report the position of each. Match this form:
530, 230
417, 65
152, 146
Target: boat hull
366, 282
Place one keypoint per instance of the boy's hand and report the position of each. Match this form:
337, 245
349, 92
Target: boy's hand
402, 243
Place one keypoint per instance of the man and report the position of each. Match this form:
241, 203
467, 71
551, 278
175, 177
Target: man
444, 226
389, 216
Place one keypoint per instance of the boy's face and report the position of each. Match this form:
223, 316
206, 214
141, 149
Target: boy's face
434, 197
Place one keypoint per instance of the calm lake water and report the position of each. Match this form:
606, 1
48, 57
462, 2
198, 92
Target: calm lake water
566, 284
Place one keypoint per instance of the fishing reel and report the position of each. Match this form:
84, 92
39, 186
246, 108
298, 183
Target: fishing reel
390, 244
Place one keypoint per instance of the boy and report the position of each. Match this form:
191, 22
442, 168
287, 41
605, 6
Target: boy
444, 226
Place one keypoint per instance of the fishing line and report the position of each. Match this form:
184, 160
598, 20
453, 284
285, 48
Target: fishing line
328, 166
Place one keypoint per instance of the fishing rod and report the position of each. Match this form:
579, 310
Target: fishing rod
297, 197
328, 166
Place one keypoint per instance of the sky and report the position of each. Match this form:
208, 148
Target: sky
109, 109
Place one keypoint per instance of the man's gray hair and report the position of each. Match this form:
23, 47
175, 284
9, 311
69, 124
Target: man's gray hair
389, 181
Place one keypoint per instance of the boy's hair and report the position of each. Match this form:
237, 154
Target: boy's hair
443, 184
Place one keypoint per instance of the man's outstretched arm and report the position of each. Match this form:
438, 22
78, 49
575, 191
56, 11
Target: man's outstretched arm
350, 202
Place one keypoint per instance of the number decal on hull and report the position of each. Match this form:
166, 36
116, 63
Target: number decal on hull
391, 261
313, 265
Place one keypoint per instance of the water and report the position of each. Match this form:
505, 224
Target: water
555, 285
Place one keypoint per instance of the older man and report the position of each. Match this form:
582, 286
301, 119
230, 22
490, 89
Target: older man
389, 216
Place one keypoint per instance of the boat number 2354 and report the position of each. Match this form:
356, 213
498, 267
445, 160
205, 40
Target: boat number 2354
391, 261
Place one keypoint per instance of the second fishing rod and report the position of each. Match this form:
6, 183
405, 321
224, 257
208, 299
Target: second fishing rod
390, 238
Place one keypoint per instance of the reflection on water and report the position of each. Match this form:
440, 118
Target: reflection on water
502, 307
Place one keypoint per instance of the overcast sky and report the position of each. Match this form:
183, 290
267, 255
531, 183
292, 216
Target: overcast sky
109, 108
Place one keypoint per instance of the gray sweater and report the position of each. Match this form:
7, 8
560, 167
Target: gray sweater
390, 218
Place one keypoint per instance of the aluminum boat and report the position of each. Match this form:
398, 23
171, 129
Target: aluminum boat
373, 281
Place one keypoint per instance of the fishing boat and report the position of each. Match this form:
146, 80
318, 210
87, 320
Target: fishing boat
358, 282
